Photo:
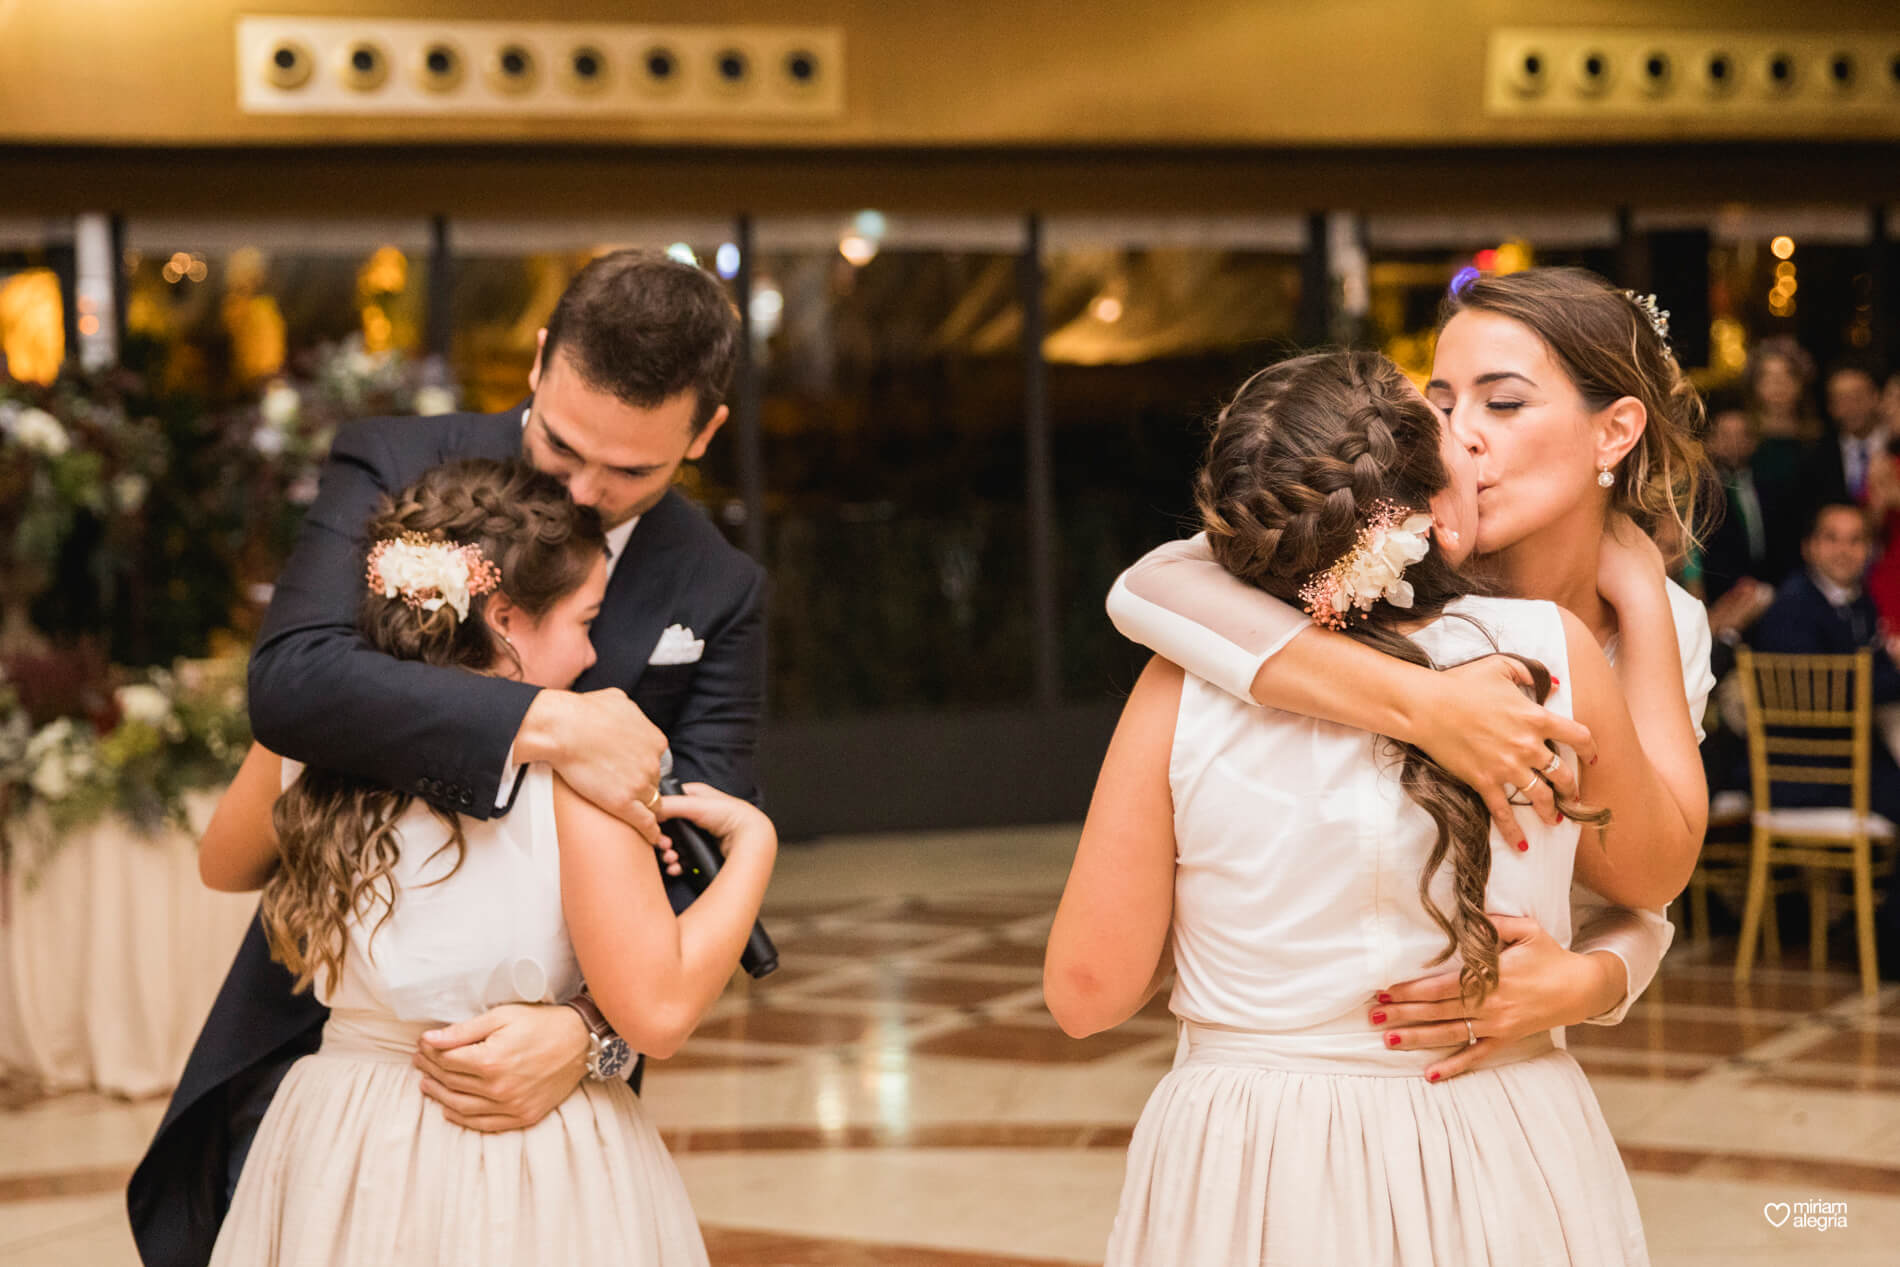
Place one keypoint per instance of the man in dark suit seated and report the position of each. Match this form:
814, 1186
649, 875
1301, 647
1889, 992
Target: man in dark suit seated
627, 384
1824, 610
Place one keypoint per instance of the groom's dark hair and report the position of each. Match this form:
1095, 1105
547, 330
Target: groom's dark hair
644, 327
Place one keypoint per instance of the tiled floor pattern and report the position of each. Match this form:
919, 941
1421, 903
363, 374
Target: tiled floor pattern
897, 1094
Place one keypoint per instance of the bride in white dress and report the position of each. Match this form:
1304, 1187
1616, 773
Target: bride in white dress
1287, 870
404, 918
1566, 393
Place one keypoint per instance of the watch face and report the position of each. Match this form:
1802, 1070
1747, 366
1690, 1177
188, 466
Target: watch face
614, 1058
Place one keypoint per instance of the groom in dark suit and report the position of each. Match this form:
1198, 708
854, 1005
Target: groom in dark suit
628, 383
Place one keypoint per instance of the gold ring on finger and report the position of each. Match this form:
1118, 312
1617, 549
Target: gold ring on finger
654, 804
1471, 1034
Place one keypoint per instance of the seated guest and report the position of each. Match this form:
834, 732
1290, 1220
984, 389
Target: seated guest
1824, 610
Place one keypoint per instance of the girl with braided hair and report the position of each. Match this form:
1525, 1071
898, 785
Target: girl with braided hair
404, 917
1286, 869
1583, 429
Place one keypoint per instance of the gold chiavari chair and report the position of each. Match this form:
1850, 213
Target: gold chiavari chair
1810, 721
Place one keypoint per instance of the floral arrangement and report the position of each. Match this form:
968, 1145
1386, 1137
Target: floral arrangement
132, 524
70, 453
1374, 569
132, 744
291, 425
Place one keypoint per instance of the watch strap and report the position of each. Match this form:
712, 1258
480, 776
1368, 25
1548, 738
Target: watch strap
591, 1016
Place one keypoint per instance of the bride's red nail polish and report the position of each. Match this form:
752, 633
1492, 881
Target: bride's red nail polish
1378, 1018
1393, 1040
1523, 846
1433, 1076
1385, 996
1555, 681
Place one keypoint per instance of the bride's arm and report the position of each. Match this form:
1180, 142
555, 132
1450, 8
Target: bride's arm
239, 849
652, 973
1644, 855
1108, 947
1473, 720
1639, 939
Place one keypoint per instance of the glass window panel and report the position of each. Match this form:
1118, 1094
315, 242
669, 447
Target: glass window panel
224, 306
1144, 342
1412, 261
894, 453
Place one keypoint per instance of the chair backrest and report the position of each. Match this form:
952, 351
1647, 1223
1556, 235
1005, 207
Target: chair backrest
1802, 707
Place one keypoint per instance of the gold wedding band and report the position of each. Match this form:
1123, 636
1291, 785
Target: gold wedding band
1555, 761
1471, 1035
654, 804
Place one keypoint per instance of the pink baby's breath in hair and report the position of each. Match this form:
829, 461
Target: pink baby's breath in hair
427, 574
1393, 539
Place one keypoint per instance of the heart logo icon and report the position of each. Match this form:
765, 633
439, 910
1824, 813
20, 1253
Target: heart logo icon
1777, 1212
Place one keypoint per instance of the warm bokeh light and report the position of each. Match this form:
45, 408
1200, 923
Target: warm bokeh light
32, 325
1782, 247
386, 272
1108, 308
1728, 345
1513, 257
857, 249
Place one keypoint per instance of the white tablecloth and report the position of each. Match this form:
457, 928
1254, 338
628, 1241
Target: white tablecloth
110, 959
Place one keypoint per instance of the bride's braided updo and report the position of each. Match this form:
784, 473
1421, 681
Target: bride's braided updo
1300, 459
337, 833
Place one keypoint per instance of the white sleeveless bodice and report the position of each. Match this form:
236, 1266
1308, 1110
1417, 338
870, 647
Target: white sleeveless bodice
1298, 854
492, 933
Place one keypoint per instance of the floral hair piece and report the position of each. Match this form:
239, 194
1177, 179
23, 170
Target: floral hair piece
1393, 540
426, 574
1658, 317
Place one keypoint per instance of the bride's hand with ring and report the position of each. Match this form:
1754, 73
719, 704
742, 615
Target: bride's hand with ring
1488, 734
1541, 986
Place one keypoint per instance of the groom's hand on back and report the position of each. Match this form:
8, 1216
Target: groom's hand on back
605, 748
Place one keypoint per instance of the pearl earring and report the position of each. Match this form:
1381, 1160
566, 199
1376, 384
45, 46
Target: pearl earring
1604, 478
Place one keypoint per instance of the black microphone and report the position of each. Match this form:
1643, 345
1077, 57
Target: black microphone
700, 860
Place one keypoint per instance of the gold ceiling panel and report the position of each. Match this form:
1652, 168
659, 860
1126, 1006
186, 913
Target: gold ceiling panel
398, 67
1750, 77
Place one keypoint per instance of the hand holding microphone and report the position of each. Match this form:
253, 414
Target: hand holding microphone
700, 859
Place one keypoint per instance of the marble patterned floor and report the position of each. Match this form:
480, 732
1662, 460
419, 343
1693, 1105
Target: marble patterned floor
896, 1093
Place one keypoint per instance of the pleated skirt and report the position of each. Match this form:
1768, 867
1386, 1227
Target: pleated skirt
1251, 1152
354, 1167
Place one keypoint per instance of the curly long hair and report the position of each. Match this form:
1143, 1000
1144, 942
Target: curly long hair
338, 833
1300, 458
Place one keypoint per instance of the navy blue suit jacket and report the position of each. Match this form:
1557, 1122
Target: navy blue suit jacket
321, 695
1802, 622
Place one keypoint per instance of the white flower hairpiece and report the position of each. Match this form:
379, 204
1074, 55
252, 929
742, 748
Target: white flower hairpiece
1393, 540
1658, 317
426, 574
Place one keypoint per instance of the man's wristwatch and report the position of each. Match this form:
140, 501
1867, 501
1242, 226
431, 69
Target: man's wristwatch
607, 1052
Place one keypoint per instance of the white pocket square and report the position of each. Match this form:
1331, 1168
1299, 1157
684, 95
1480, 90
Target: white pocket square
678, 646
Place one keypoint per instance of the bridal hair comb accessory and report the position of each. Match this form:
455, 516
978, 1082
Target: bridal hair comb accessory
427, 574
1658, 317
1393, 540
